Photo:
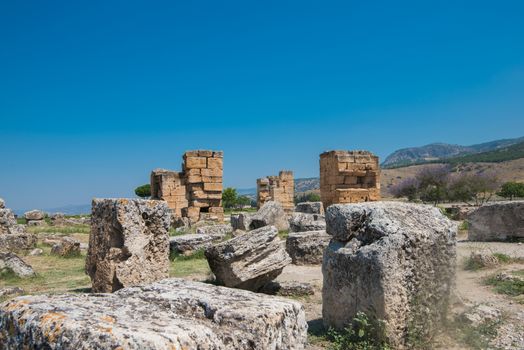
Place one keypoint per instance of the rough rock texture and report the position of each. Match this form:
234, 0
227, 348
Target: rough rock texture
222, 230
17, 229
185, 244
301, 222
241, 221
2, 203
170, 314
17, 242
129, 243
36, 252
484, 258
67, 247
307, 247
279, 188
393, 261
271, 213
497, 222
34, 215
248, 261
7, 220
10, 291
288, 289
310, 208
10, 262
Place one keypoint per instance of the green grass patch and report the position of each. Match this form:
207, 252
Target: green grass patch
60, 229
475, 337
363, 334
464, 225
283, 234
183, 267
510, 286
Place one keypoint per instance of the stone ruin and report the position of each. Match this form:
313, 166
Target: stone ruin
349, 177
277, 188
497, 222
393, 261
195, 192
13, 236
128, 244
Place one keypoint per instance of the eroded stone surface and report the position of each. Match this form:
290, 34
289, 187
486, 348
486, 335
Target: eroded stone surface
302, 222
185, 244
17, 242
7, 220
10, 262
67, 247
497, 222
250, 260
170, 314
221, 229
307, 247
271, 213
393, 261
34, 215
310, 208
129, 243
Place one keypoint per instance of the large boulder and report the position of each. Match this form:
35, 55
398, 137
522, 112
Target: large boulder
34, 215
310, 208
250, 260
11, 263
186, 244
170, 314
301, 222
128, 244
307, 247
18, 242
497, 222
392, 261
66, 247
271, 213
241, 221
218, 230
7, 220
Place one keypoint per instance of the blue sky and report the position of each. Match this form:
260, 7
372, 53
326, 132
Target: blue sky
95, 94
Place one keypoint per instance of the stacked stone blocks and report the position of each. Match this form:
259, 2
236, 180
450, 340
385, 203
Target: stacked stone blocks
277, 188
349, 177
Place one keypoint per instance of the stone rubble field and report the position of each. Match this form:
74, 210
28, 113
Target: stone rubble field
286, 278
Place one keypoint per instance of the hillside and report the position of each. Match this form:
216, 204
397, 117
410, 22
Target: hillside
441, 151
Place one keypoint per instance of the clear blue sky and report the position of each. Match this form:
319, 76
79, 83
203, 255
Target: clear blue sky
95, 94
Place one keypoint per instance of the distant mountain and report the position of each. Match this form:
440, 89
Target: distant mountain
439, 151
307, 184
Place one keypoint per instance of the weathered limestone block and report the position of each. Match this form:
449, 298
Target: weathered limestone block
241, 221
221, 229
288, 289
170, 314
307, 247
393, 261
67, 247
129, 243
7, 220
484, 258
497, 222
250, 260
34, 215
302, 222
10, 262
17, 242
272, 214
187, 244
36, 223
310, 208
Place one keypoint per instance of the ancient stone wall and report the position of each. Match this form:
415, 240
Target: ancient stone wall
196, 191
349, 177
277, 188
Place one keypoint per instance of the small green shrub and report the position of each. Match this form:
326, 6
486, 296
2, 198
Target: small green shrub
503, 258
471, 264
511, 286
464, 225
363, 334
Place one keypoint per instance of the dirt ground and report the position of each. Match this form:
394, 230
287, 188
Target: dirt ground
469, 292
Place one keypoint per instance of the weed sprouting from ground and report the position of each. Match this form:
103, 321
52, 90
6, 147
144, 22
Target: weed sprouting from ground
363, 334
509, 285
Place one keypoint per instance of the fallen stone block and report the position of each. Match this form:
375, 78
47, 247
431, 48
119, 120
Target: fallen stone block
310, 208
393, 261
288, 289
484, 258
301, 222
497, 222
307, 247
219, 230
17, 242
187, 244
67, 247
241, 221
11, 263
34, 215
128, 244
170, 314
7, 220
271, 213
250, 260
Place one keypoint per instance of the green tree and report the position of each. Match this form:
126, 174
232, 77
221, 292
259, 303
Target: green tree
243, 201
511, 190
474, 188
229, 197
143, 191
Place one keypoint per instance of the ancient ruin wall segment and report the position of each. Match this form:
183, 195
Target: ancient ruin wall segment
279, 188
349, 177
196, 191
